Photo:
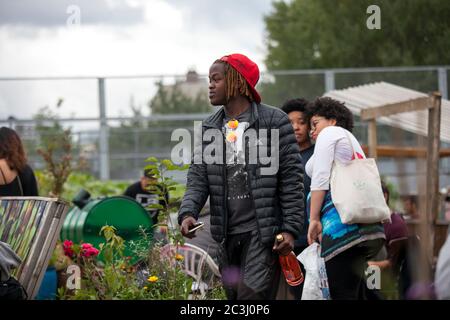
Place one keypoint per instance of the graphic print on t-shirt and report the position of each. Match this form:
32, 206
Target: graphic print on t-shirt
241, 214
236, 173
148, 199
237, 182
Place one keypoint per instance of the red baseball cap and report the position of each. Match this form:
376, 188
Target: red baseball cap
247, 68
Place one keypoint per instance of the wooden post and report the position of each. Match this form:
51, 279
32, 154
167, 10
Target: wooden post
434, 131
372, 138
428, 218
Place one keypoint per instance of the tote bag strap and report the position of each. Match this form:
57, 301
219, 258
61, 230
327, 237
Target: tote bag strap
354, 153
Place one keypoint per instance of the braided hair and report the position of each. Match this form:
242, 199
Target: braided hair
236, 83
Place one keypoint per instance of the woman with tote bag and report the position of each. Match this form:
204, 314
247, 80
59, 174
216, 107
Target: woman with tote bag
346, 247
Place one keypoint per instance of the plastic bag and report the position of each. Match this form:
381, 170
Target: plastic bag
316, 281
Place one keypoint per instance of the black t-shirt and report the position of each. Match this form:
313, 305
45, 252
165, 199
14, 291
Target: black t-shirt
302, 242
23, 185
306, 154
241, 212
145, 198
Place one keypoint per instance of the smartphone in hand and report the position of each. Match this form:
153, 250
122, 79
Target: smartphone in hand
196, 226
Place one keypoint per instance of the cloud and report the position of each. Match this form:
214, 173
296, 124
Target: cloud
232, 16
173, 36
55, 13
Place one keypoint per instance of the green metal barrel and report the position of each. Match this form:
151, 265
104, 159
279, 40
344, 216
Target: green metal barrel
125, 214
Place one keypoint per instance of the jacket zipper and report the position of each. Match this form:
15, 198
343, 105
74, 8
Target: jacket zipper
224, 175
249, 183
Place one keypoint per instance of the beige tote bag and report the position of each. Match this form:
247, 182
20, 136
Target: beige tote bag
356, 191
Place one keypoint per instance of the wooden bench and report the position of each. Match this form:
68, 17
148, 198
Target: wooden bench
31, 226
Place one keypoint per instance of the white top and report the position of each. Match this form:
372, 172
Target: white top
443, 272
332, 144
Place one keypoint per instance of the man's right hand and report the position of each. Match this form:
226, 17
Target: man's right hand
186, 224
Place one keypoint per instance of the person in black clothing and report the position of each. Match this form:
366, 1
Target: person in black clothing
249, 204
141, 191
16, 180
16, 176
296, 111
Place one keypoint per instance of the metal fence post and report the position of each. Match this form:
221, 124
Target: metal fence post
104, 140
136, 147
329, 81
442, 81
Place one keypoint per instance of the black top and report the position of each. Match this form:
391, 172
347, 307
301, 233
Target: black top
23, 185
282, 213
306, 154
302, 242
241, 212
145, 198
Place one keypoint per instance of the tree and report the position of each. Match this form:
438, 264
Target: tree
334, 34
140, 137
56, 148
304, 34
172, 100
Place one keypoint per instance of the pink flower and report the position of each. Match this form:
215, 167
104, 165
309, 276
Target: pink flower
67, 244
86, 246
88, 250
92, 252
68, 248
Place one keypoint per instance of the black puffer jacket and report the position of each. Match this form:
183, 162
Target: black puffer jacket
278, 198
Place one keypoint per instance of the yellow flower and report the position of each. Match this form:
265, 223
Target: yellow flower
152, 279
145, 288
179, 257
233, 124
231, 137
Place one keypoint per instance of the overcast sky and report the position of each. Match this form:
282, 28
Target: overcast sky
115, 37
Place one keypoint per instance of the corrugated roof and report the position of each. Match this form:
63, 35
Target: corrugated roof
382, 93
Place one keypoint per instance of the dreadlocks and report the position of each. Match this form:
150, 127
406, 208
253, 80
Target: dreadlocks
236, 83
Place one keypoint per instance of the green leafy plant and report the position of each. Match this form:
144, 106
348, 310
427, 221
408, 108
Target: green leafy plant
56, 149
114, 246
159, 272
164, 184
77, 181
118, 279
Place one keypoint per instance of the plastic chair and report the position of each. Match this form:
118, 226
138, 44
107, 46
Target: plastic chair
197, 263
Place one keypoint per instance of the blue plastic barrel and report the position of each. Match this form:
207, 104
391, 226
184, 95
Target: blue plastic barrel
47, 290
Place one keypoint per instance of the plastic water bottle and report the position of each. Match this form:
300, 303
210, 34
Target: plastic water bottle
290, 266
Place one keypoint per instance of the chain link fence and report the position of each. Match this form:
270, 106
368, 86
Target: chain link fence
115, 147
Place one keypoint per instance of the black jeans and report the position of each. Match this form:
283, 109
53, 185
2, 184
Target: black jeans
251, 271
345, 271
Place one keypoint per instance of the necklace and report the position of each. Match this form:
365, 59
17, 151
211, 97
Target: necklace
232, 125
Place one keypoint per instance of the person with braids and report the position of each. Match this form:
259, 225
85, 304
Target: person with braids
346, 248
249, 206
16, 176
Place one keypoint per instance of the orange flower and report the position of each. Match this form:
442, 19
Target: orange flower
231, 137
233, 124
179, 257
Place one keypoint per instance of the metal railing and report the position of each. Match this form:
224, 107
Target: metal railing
329, 79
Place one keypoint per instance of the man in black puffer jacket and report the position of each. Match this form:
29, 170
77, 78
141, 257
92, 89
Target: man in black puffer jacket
254, 194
